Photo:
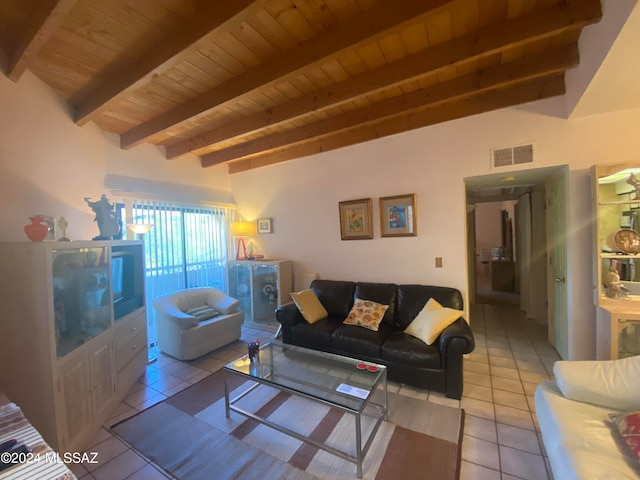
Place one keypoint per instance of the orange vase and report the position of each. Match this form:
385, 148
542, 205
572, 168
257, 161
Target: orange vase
36, 231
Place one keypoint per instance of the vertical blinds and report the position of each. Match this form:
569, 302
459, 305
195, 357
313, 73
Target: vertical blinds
187, 247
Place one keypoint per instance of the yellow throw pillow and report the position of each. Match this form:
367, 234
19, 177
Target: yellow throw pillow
431, 321
366, 313
309, 305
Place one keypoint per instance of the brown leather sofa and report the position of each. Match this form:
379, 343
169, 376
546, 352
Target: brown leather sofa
408, 360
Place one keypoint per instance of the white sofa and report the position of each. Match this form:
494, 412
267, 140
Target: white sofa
186, 329
573, 413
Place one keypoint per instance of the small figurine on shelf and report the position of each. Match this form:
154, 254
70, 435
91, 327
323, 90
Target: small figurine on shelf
634, 181
613, 285
63, 224
108, 223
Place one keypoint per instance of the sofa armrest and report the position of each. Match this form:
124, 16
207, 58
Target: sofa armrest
609, 383
461, 331
172, 313
288, 315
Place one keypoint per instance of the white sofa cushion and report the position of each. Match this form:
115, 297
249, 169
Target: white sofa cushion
579, 440
609, 383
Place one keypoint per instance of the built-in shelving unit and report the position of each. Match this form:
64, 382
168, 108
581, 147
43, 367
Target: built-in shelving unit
616, 215
74, 333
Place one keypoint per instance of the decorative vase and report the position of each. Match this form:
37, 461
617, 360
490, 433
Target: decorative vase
36, 231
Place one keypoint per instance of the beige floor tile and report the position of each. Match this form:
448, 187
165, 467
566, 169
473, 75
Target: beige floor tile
480, 452
514, 416
99, 437
77, 469
137, 398
504, 372
500, 352
480, 428
507, 384
519, 438
516, 400
120, 467
478, 408
536, 367
199, 376
124, 414
150, 402
477, 378
106, 451
471, 366
533, 377
522, 464
175, 368
502, 362
474, 357
471, 471
165, 381
478, 392
413, 392
529, 388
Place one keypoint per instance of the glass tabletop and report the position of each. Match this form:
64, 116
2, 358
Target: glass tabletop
338, 380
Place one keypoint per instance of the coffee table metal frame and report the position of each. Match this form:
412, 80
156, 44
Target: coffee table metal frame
268, 379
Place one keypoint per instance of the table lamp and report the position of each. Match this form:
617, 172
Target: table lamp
240, 230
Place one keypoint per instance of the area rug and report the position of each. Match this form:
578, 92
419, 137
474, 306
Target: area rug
189, 436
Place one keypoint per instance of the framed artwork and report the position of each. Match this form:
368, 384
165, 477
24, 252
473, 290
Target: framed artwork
265, 225
356, 219
398, 216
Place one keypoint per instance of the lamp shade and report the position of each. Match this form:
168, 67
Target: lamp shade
140, 228
243, 229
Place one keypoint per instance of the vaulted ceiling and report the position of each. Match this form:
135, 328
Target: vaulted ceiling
253, 83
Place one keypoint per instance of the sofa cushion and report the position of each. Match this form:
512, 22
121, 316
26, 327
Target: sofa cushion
412, 299
309, 305
382, 293
628, 426
317, 335
578, 438
407, 350
431, 321
336, 296
610, 383
366, 313
359, 342
203, 313
222, 302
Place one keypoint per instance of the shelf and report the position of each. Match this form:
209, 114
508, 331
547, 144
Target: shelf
620, 255
619, 202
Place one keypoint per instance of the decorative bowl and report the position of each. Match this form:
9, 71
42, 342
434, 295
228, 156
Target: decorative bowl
627, 241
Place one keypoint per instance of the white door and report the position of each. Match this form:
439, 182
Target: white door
557, 219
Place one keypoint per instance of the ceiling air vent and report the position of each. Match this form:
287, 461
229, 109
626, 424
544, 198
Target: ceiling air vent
509, 156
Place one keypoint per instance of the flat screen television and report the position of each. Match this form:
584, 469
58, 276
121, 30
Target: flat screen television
127, 282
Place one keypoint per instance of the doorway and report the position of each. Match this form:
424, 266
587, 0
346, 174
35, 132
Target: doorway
511, 235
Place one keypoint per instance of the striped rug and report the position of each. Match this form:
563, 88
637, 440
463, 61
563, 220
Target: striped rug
189, 436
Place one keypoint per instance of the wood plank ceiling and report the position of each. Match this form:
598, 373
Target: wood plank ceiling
251, 83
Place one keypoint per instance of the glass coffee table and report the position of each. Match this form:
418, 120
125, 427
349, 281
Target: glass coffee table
339, 382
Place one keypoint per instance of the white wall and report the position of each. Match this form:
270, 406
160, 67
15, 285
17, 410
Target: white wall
302, 197
48, 164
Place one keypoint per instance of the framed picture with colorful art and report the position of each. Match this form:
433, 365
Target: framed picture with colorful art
398, 216
356, 219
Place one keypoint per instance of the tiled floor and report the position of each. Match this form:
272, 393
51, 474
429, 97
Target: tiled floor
501, 438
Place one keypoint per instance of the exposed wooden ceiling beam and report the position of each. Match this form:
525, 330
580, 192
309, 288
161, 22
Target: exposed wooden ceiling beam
544, 64
540, 24
45, 18
381, 19
528, 92
123, 78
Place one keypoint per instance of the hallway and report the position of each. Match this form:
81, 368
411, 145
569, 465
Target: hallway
501, 434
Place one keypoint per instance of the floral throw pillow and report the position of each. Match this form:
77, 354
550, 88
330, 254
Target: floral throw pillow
628, 425
366, 313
